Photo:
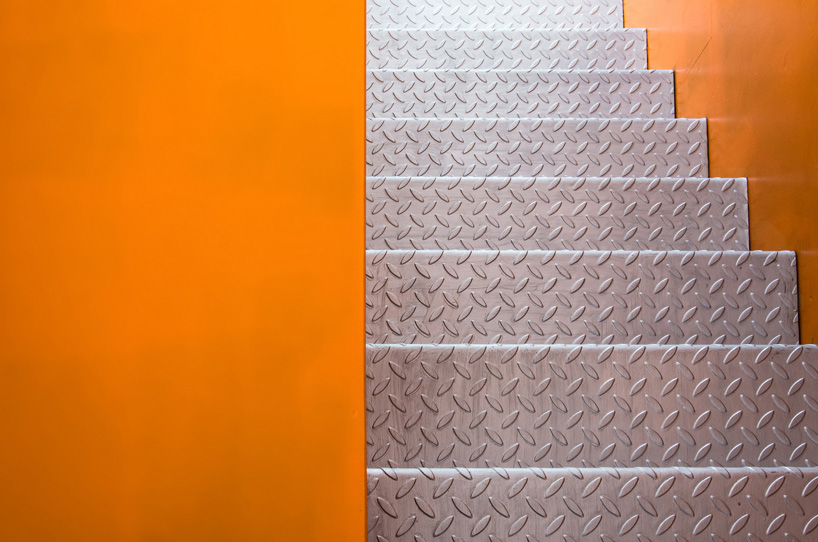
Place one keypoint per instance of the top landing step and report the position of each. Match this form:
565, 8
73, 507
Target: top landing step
497, 14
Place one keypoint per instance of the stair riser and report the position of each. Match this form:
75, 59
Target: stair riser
521, 14
591, 406
507, 49
520, 94
600, 504
556, 214
574, 297
534, 147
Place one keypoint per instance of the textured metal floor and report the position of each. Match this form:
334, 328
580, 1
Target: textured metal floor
520, 93
568, 337
454, 49
537, 147
520, 213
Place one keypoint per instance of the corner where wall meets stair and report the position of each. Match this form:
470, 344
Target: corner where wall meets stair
567, 335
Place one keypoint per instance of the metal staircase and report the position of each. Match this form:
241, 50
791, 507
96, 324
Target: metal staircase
568, 337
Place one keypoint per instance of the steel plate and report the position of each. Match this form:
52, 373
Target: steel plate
494, 14
520, 213
594, 504
581, 297
591, 406
507, 49
520, 94
537, 147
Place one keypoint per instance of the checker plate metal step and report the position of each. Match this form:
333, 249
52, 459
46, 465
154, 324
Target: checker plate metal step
594, 504
592, 406
581, 297
537, 147
516, 213
518, 14
644, 94
507, 49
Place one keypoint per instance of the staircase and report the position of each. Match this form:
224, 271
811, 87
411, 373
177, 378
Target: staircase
567, 335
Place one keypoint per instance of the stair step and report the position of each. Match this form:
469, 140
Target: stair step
495, 14
591, 406
537, 147
581, 297
507, 49
606, 504
647, 94
495, 213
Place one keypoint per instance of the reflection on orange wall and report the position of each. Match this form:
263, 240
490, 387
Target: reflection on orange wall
751, 66
181, 231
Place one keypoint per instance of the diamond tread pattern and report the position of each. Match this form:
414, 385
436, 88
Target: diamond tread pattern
594, 504
591, 406
567, 338
544, 297
507, 49
495, 14
537, 147
520, 94
517, 213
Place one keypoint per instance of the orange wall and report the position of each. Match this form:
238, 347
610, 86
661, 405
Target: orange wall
181, 231
751, 66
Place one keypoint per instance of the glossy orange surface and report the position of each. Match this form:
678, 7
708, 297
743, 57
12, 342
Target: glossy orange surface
181, 293
751, 66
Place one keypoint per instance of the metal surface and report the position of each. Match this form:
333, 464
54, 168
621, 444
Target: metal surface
520, 94
519, 388
581, 297
507, 49
592, 504
591, 406
519, 213
517, 14
536, 147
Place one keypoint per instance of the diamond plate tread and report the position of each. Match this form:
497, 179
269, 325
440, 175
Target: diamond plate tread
507, 49
594, 504
498, 213
494, 14
591, 406
646, 94
581, 297
537, 147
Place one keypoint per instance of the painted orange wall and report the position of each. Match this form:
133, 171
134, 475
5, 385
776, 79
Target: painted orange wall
751, 66
181, 263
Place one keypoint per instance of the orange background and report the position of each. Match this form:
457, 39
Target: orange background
181, 234
181, 299
751, 67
